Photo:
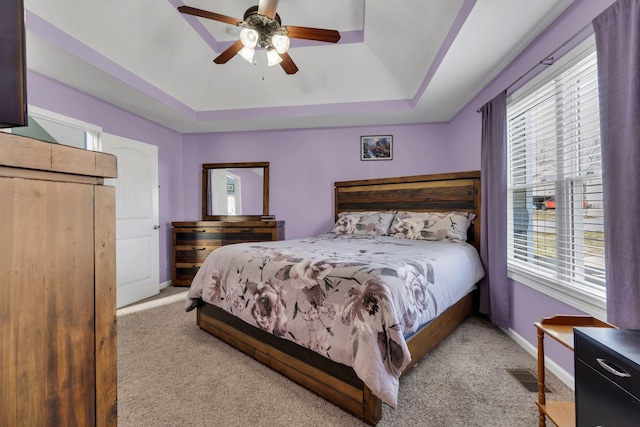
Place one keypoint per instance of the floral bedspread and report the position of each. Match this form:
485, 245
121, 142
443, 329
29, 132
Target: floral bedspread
352, 299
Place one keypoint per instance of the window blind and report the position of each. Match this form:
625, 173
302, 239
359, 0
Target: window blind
554, 201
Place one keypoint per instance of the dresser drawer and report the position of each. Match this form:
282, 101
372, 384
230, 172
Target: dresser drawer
599, 402
192, 254
197, 237
610, 354
248, 234
183, 274
607, 368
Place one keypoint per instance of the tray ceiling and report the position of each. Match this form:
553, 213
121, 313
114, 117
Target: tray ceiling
415, 61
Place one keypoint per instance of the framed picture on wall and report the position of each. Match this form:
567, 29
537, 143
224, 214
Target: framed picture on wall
376, 147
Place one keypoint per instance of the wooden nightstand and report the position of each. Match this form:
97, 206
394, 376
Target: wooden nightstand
560, 328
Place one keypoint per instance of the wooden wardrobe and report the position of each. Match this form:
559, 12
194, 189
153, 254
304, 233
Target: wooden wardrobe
58, 284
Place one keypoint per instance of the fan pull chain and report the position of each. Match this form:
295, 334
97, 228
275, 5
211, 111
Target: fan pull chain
262, 67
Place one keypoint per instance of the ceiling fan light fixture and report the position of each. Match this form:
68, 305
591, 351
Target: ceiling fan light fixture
273, 58
247, 53
249, 37
262, 27
280, 43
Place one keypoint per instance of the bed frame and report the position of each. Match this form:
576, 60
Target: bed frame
333, 381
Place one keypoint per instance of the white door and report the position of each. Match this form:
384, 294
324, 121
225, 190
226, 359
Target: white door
218, 189
137, 229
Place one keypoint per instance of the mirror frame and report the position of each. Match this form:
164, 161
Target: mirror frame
249, 165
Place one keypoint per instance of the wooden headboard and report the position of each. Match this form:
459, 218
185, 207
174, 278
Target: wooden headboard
446, 192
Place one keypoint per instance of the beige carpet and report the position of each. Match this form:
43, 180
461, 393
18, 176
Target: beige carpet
170, 373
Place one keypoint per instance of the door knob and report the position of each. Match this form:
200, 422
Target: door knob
156, 227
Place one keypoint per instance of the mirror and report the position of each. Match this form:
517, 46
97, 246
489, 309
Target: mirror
235, 191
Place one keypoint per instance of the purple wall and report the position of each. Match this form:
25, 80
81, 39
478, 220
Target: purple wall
527, 305
304, 164
56, 97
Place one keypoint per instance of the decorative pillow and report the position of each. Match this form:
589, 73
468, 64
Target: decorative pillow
363, 223
439, 226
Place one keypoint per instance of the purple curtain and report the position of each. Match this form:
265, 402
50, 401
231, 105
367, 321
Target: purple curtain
494, 289
617, 32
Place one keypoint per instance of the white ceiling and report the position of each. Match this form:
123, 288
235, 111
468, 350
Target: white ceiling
410, 61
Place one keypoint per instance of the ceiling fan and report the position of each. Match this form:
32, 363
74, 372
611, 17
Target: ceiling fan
262, 26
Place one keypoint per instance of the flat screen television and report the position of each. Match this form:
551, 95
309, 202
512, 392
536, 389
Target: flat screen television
13, 69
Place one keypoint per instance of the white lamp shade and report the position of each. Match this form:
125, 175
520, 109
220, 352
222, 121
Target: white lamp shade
280, 43
247, 53
249, 37
273, 58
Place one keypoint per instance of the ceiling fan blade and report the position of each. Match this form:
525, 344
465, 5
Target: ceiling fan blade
268, 8
229, 53
319, 34
287, 64
209, 15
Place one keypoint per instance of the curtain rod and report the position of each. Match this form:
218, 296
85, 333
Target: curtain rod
548, 60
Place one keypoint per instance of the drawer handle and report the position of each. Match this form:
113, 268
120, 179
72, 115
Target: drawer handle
615, 371
247, 230
199, 249
199, 231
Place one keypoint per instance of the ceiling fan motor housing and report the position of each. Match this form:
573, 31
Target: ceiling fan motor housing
265, 26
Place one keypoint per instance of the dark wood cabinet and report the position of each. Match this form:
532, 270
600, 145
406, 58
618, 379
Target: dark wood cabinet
607, 373
193, 242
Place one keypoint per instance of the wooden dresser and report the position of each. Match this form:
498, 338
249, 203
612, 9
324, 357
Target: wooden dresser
58, 282
193, 241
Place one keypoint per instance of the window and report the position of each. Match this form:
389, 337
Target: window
554, 191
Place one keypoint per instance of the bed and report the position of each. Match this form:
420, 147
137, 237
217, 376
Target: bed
326, 312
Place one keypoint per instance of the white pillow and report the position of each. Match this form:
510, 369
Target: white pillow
438, 226
363, 223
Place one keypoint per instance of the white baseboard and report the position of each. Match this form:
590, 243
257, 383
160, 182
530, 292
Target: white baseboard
165, 285
549, 364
